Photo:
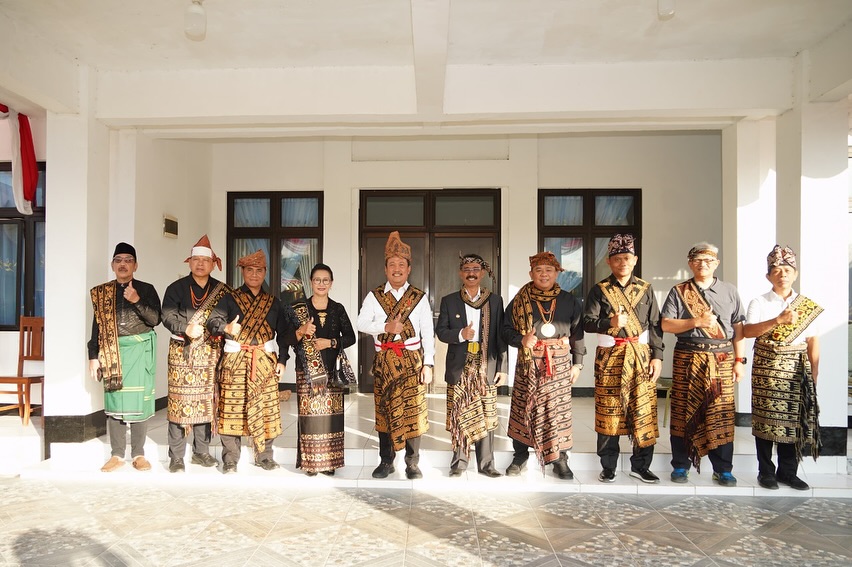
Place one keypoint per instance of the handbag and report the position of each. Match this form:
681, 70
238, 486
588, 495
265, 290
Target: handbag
344, 369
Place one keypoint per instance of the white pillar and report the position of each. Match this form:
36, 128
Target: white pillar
748, 213
812, 217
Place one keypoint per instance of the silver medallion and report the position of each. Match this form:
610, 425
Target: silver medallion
548, 330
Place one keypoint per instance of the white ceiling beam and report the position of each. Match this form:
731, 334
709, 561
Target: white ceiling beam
430, 21
831, 67
764, 85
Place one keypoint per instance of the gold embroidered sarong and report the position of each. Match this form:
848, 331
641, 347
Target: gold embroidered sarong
472, 403
625, 394
400, 398
248, 385
103, 304
192, 369
540, 414
784, 402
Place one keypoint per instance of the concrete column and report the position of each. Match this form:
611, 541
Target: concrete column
812, 215
748, 225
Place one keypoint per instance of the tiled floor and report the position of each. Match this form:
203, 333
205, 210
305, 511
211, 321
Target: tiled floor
65, 512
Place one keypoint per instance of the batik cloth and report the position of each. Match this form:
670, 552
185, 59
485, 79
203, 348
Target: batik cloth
784, 402
625, 394
400, 398
320, 446
248, 386
702, 396
104, 306
192, 369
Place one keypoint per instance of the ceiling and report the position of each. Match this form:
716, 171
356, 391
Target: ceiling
426, 35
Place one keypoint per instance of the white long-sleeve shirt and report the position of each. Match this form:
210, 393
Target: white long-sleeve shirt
372, 319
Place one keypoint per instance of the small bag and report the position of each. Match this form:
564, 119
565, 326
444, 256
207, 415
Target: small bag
344, 369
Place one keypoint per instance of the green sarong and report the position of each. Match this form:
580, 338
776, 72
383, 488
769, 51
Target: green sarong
135, 401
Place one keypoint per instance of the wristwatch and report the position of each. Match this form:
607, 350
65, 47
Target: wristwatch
742, 359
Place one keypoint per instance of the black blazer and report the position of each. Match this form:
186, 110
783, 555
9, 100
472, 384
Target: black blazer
453, 319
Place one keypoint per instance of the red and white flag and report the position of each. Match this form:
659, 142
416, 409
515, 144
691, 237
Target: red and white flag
24, 166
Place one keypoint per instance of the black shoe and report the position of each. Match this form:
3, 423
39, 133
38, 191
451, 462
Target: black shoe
516, 468
204, 459
266, 464
456, 472
229, 468
176, 465
793, 482
335, 382
412, 472
310, 473
645, 476
607, 475
562, 470
383, 470
767, 481
328, 473
490, 472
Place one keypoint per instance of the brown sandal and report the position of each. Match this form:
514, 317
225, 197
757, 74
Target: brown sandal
140, 463
114, 463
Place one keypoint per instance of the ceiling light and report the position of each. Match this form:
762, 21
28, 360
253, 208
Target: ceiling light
195, 21
665, 9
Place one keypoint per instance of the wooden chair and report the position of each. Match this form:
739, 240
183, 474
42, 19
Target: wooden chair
30, 347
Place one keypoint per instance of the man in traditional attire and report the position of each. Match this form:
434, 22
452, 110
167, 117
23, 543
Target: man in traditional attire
250, 320
784, 373
123, 354
707, 316
470, 322
194, 351
623, 311
399, 317
545, 324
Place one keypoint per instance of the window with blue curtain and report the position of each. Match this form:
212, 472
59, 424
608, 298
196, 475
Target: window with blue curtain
576, 225
21, 252
287, 226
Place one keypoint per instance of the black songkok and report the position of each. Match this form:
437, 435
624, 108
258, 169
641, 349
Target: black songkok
124, 248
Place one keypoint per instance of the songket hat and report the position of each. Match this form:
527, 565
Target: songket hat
203, 248
396, 247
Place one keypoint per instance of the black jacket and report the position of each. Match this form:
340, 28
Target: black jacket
453, 319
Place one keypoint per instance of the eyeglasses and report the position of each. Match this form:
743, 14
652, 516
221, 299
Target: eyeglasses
321, 281
126, 260
475, 270
706, 261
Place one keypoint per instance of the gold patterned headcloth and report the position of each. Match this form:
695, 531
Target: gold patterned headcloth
254, 260
474, 259
546, 259
781, 257
396, 247
621, 244
701, 250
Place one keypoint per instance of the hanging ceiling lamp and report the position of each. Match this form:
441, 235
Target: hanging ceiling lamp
665, 9
195, 21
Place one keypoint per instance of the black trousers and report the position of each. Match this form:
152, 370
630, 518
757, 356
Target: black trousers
117, 430
608, 451
787, 464
231, 449
387, 454
522, 453
201, 435
722, 458
484, 454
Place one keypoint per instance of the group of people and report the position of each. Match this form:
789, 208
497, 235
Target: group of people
227, 352
226, 342
547, 325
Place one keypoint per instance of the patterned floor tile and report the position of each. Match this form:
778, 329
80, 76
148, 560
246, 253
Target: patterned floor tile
294, 544
447, 546
501, 511
759, 550
369, 503
702, 513
582, 543
57, 543
505, 546
357, 546
440, 512
825, 516
668, 548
